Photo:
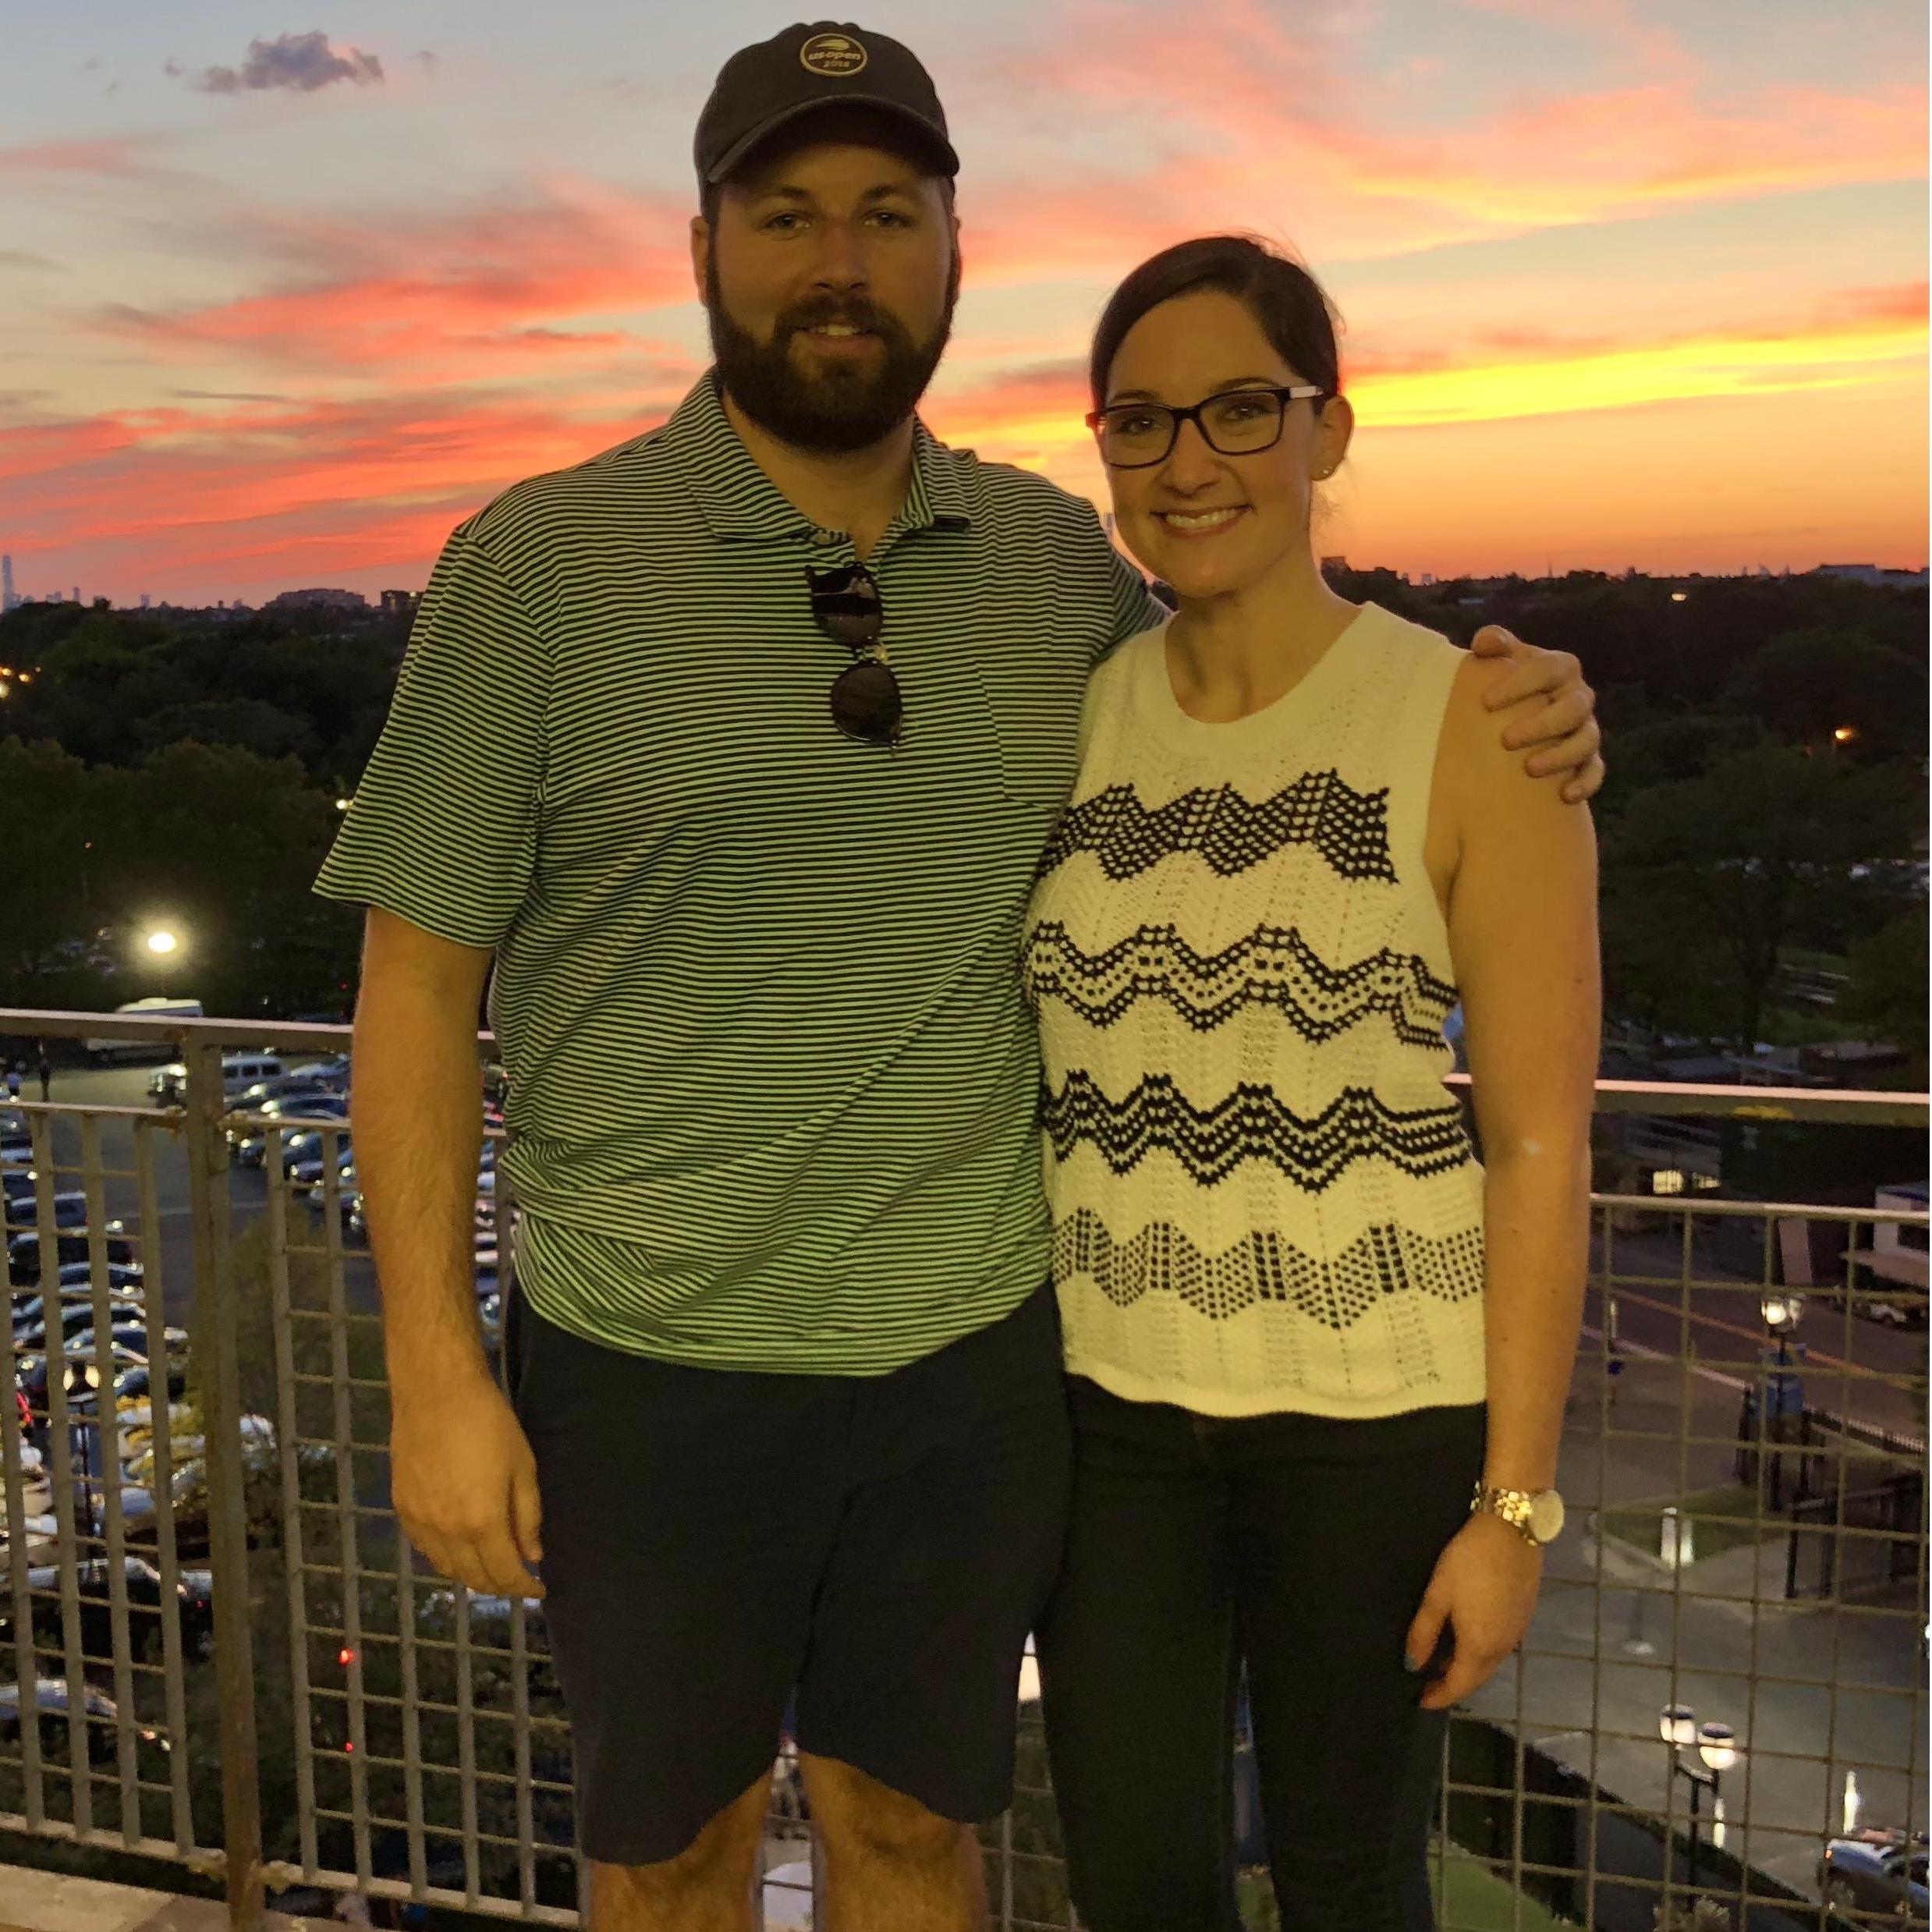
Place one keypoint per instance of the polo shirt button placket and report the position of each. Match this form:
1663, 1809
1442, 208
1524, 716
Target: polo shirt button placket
823, 536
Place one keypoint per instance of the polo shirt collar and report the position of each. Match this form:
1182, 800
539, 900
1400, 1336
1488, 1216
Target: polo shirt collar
739, 501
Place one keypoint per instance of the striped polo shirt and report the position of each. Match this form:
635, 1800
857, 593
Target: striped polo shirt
771, 1082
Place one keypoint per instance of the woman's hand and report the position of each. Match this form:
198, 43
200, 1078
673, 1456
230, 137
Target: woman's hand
1484, 1587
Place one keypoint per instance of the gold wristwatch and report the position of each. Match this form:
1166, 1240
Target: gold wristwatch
1536, 1515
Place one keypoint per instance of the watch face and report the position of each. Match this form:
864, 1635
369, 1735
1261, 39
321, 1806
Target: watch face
1546, 1516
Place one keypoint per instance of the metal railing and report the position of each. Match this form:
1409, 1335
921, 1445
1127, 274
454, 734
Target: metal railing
237, 1666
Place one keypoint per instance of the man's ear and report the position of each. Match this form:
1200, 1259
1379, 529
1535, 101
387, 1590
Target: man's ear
701, 251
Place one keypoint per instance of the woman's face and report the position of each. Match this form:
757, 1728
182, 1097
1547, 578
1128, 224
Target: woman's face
1211, 524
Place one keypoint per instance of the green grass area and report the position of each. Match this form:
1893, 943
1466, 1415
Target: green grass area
1720, 1519
1469, 1898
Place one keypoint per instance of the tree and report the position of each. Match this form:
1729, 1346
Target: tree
1805, 685
48, 803
1886, 993
1708, 877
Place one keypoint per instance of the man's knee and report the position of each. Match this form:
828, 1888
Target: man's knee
707, 1884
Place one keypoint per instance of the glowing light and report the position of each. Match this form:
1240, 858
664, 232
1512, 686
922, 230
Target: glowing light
162, 942
1845, 734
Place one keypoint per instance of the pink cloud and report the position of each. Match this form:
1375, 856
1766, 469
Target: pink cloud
1254, 125
479, 296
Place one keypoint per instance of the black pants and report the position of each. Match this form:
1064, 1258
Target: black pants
1298, 1547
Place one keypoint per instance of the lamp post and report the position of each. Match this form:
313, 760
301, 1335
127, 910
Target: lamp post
1783, 1395
1717, 1745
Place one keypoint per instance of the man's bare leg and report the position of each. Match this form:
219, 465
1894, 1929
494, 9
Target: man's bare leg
707, 1887
890, 1865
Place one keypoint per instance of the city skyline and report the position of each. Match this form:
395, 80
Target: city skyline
1623, 286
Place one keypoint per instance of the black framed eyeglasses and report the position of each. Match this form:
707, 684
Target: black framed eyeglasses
1236, 422
865, 695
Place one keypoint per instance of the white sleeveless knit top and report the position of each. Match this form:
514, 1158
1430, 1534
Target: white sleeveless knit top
1263, 1197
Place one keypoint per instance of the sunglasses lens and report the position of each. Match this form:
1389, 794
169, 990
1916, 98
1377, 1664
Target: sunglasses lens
865, 704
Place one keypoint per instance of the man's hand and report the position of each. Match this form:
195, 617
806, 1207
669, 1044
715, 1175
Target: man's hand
1484, 1587
464, 1484
1562, 726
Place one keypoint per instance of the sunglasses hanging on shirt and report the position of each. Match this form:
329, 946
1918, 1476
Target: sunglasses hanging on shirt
866, 703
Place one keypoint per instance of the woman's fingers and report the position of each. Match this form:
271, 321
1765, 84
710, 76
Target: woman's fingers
1470, 1667
1425, 1632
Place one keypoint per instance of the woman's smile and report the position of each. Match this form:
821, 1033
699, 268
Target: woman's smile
1200, 523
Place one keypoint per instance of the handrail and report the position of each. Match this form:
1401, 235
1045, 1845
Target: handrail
1868, 1107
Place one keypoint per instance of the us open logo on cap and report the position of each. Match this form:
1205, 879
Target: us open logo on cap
834, 56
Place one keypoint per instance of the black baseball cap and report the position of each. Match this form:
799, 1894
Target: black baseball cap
825, 63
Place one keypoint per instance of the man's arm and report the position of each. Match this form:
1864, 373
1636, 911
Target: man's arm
462, 1474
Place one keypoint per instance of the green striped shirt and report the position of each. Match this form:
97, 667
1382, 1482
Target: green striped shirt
772, 1084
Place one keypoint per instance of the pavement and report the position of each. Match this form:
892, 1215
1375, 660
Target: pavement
1813, 1690
58, 1902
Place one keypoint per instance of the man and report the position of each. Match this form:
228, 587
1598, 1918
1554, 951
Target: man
741, 836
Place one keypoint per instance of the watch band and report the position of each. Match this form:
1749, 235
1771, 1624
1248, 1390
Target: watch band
1520, 1508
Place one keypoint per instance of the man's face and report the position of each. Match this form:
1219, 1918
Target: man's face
829, 274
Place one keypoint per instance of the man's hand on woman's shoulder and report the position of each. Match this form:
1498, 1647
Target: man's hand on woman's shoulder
1555, 717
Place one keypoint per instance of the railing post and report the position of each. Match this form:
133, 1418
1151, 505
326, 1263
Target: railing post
228, 1512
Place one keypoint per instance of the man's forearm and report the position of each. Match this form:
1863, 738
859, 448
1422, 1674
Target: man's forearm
1537, 1237
418, 1109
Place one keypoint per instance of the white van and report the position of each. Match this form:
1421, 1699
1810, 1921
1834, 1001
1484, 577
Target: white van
156, 1008
168, 1086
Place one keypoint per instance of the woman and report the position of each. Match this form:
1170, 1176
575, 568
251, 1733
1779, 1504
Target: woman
1316, 1353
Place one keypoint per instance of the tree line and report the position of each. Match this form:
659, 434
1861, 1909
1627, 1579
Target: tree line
1764, 813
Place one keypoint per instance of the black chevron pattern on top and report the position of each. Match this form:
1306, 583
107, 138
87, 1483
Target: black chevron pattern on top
1272, 965
1231, 834
1251, 1124
1335, 1290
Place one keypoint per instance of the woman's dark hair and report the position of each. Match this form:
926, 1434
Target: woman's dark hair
1297, 317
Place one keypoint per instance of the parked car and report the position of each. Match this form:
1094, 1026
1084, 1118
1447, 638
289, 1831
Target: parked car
248, 1144
23, 1253
305, 1175
77, 1276
144, 1592
16, 1143
23, 1208
128, 1368
30, 1325
55, 1701
1875, 1871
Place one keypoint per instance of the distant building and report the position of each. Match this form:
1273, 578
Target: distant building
401, 603
1874, 574
318, 601
1334, 563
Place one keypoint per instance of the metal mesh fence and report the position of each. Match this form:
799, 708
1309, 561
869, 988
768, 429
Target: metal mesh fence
1722, 1698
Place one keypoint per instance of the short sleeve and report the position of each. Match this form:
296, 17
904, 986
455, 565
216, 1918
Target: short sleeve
442, 829
1130, 606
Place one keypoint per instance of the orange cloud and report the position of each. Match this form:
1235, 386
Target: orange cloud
1034, 415
1254, 125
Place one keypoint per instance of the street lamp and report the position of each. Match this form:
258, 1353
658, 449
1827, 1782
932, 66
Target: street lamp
161, 943
1717, 1746
1781, 1394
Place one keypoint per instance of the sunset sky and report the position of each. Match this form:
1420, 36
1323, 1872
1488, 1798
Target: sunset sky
283, 298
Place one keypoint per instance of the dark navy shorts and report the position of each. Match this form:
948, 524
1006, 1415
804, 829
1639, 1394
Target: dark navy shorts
718, 1544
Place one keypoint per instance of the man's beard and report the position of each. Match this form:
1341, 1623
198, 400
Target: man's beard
841, 406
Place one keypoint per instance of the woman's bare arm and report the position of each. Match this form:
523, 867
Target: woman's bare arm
1522, 933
